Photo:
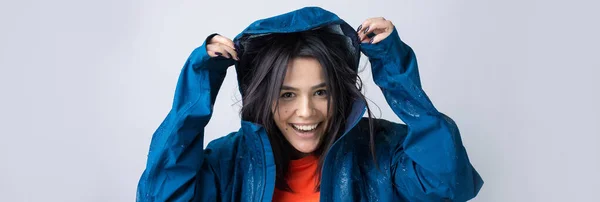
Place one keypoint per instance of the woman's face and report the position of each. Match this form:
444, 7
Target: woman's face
302, 112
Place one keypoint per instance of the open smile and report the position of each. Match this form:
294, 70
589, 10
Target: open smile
306, 130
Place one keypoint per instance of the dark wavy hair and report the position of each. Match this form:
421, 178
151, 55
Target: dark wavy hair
261, 72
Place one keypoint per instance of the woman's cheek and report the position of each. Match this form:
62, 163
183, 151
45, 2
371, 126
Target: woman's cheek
285, 109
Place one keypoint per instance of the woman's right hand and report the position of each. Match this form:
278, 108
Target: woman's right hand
221, 46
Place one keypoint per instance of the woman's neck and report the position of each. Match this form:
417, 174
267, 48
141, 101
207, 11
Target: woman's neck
295, 154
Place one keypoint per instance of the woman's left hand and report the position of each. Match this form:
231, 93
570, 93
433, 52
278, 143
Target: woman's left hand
374, 30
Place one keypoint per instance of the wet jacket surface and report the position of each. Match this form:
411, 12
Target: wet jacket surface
421, 160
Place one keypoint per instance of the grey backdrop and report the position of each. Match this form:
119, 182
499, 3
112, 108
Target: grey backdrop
84, 84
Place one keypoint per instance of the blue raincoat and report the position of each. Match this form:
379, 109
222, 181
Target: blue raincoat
423, 160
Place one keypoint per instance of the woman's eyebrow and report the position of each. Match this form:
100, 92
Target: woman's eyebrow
288, 88
321, 85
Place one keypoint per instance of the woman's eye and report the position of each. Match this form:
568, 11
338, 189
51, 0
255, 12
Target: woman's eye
321, 93
287, 95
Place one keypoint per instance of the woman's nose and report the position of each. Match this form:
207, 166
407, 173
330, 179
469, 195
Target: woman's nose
305, 109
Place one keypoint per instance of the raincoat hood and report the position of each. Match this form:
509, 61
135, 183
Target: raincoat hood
304, 19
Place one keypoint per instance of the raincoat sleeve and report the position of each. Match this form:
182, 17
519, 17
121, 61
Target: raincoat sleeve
430, 164
176, 164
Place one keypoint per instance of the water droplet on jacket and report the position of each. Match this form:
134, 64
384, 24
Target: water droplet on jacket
410, 109
395, 104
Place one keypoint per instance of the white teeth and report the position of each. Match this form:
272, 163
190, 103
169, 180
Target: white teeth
306, 127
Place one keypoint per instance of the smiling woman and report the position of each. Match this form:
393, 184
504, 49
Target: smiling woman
303, 135
309, 84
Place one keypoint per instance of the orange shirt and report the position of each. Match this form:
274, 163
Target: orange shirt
302, 180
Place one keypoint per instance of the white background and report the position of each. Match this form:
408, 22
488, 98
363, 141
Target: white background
84, 84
